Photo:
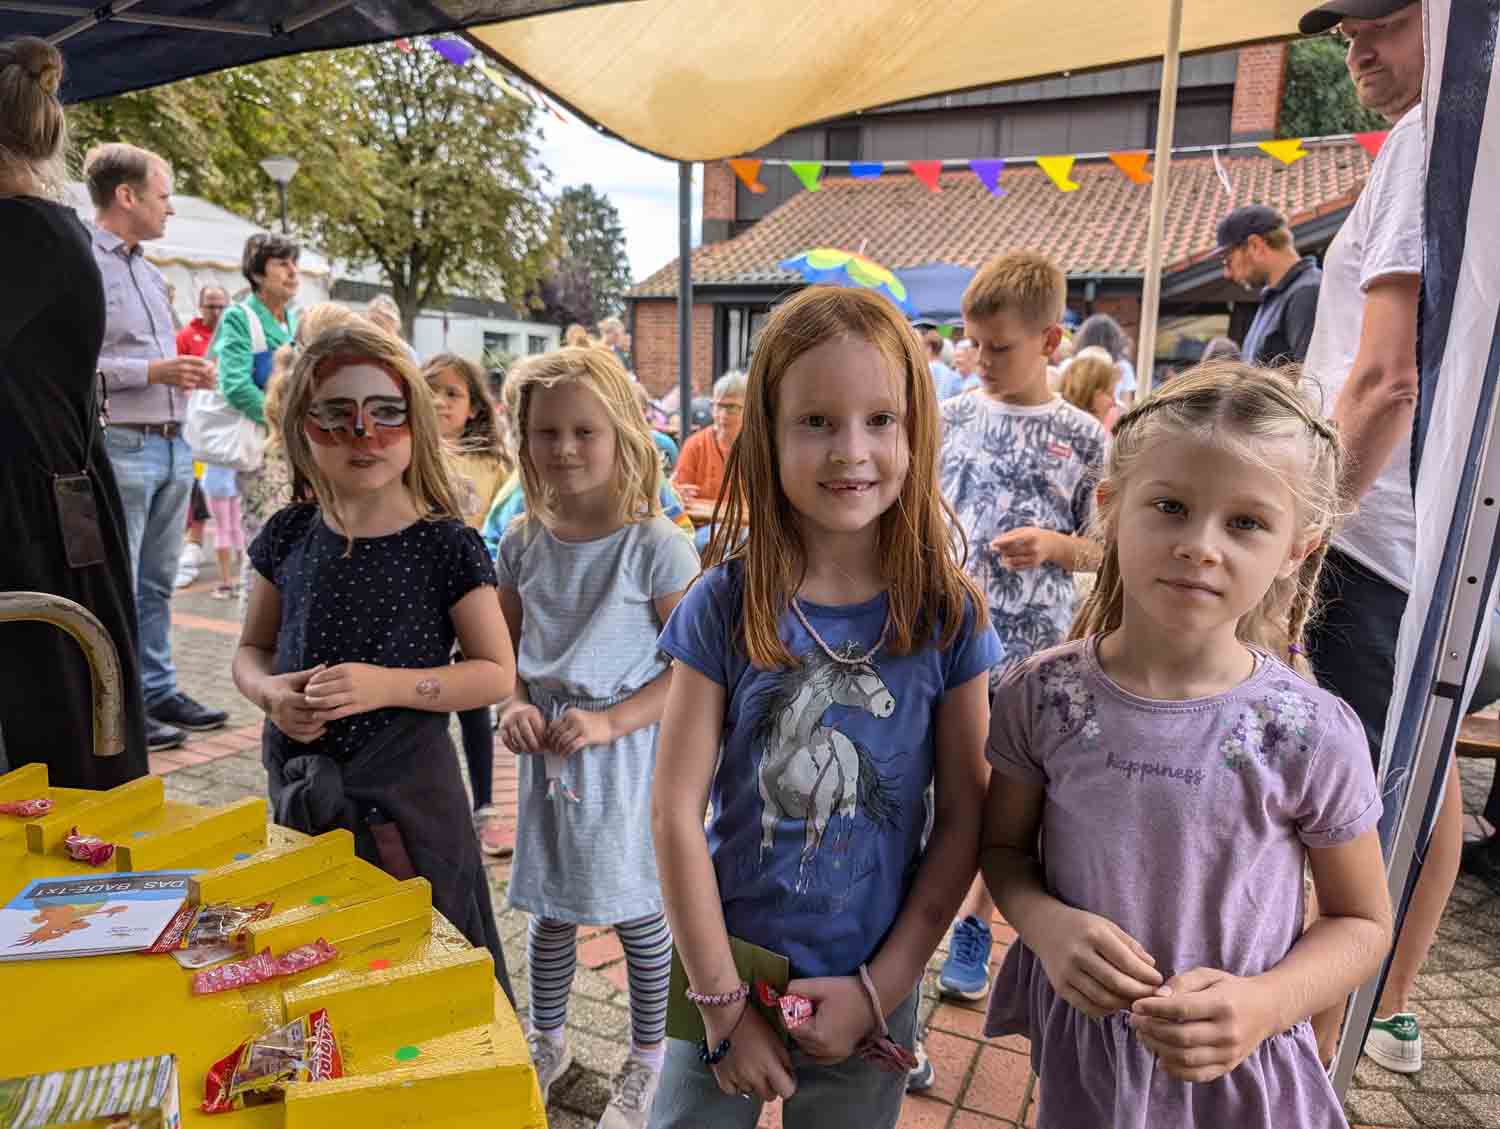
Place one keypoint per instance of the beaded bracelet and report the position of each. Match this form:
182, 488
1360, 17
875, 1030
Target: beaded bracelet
719, 1053
720, 999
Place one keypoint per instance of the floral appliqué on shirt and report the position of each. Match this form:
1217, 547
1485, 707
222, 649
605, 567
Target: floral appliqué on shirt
1063, 692
1270, 729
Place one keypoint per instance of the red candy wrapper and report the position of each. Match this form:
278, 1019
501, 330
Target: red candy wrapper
795, 1010
258, 1070
218, 923
26, 809
89, 848
261, 967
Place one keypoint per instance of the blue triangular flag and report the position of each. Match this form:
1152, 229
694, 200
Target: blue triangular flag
988, 171
866, 170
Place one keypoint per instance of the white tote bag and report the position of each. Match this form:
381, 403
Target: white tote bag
219, 434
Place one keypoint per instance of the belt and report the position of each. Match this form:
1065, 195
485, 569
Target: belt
169, 430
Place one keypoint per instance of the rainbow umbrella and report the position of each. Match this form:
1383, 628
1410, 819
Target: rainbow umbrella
833, 267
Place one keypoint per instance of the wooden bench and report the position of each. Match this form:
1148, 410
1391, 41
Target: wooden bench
1479, 736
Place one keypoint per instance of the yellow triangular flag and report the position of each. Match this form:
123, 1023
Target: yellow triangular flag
1287, 152
499, 80
1058, 168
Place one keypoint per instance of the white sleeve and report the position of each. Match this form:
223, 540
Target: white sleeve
1393, 242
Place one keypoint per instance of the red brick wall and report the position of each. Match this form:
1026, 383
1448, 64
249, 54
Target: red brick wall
1259, 84
655, 345
1125, 309
718, 191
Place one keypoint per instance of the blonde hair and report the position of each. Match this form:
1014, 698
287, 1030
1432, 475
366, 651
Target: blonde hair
637, 475
1092, 371
575, 336
427, 477
1025, 283
33, 127
919, 545
1247, 410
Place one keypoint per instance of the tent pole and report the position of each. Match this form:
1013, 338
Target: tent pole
685, 298
1161, 173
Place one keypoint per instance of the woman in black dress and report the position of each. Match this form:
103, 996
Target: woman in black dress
51, 325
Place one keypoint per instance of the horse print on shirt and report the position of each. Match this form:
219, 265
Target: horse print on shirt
812, 771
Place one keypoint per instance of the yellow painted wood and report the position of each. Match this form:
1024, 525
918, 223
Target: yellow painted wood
343, 919
272, 869
417, 1000
245, 817
29, 782
100, 814
435, 1095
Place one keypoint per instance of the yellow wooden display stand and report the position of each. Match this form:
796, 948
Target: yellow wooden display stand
427, 1037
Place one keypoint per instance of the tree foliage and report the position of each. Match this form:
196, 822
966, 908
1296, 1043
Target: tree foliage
565, 294
1319, 98
407, 162
587, 230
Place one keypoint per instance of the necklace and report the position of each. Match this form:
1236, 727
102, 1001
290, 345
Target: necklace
843, 660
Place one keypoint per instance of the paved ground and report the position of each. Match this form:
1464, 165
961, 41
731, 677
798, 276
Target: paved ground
979, 1083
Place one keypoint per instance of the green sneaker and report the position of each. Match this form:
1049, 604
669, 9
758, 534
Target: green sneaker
1396, 1043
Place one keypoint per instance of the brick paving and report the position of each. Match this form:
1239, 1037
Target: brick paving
979, 1083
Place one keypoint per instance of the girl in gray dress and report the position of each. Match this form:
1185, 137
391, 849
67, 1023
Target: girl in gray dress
587, 578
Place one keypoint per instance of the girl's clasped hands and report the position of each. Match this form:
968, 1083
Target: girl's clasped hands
525, 730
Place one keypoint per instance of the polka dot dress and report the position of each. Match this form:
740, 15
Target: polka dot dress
385, 603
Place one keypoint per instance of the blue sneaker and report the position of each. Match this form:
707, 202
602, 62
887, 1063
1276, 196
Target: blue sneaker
921, 1076
966, 972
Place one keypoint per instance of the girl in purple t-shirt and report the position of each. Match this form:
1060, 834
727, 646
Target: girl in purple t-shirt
1161, 779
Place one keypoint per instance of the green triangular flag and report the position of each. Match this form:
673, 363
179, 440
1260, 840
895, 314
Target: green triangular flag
807, 172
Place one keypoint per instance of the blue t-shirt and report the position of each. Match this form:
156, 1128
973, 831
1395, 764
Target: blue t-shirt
819, 882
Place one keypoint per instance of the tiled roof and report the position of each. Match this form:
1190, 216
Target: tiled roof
1098, 230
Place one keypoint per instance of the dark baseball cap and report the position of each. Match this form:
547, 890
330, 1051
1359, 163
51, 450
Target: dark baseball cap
1240, 224
1326, 16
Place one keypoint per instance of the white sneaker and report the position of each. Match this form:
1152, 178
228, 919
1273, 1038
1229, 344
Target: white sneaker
550, 1058
188, 563
633, 1091
1396, 1043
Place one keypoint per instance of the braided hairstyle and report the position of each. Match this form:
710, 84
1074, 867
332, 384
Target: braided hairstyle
1265, 417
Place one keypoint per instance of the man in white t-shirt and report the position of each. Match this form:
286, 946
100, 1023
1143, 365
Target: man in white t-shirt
1364, 353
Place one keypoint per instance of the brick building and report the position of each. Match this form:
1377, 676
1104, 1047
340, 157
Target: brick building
1097, 234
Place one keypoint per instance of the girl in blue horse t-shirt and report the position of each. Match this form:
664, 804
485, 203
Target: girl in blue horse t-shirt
838, 656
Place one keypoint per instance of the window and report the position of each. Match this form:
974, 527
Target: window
500, 343
742, 326
535, 343
843, 143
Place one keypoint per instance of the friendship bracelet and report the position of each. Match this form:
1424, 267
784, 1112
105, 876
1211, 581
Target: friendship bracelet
720, 999
864, 978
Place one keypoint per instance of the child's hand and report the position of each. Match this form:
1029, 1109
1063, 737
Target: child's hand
1203, 1023
757, 1064
577, 729
348, 689
1024, 548
287, 707
1092, 963
841, 1017
523, 728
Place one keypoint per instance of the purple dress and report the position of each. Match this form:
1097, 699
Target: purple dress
1186, 824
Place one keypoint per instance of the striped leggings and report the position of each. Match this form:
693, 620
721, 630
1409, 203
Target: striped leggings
552, 957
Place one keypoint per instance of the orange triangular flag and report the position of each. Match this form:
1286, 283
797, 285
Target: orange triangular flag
1287, 152
1058, 168
1371, 143
1133, 165
748, 170
927, 172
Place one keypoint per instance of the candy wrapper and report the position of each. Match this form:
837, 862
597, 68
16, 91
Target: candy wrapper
258, 1071
26, 809
217, 926
261, 967
89, 848
879, 1050
795, 1010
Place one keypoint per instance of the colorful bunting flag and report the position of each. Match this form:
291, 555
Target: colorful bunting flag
748, 170
404, 46
807, 172
1057, 170
1133, 165
927, 172
455, 51
1288, 152
866, 170
503, 83
988, 171
1371, 143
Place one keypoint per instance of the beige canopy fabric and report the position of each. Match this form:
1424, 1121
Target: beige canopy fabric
698, 80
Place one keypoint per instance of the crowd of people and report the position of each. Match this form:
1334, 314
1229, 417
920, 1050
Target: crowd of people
861, 708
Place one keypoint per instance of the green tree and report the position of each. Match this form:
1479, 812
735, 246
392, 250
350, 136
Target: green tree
1319, 98
587, 230
410, 163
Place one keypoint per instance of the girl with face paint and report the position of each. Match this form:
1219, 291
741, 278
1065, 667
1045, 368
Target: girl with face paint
361, 594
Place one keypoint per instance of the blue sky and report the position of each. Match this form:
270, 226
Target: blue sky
643, 188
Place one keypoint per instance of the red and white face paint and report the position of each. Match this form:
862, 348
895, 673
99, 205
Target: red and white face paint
360, 406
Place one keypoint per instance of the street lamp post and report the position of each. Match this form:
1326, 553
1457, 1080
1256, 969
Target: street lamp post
281, 170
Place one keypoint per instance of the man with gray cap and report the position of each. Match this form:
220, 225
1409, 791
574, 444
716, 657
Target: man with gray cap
1364, 352
1258, 253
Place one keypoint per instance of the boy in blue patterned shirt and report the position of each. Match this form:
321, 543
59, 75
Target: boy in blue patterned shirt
1019, 466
